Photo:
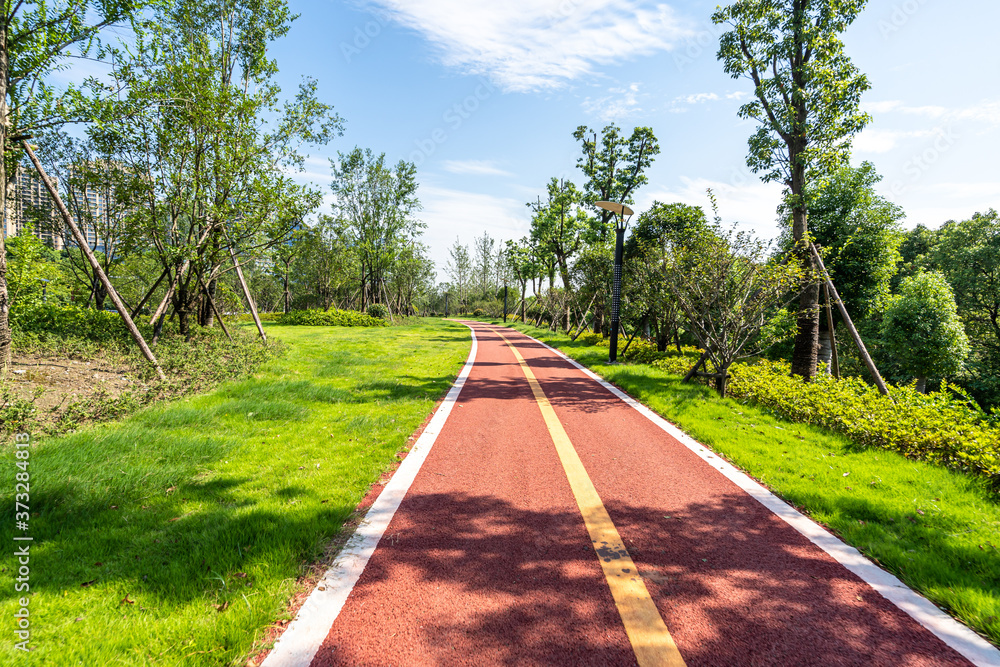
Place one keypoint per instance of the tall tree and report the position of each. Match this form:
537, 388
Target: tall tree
378, 202
558, 224
523, 267
459, 269
615, 167
806, 97
36, 39
860, 233
482, 263
207, 139
968, 253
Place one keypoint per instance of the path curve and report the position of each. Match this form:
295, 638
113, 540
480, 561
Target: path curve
491, 557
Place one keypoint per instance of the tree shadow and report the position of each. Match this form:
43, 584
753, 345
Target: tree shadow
735, 585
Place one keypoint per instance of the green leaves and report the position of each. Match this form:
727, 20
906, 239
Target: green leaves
807, 90
944, 427
922, 329
615, 167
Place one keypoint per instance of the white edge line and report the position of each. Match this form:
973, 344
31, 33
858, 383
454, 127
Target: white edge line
299, 643
953, 633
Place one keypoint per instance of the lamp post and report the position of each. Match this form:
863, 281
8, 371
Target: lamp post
620, 211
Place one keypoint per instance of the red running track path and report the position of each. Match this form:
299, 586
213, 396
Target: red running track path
487, 560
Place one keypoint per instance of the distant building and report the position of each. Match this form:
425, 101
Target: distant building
31, 202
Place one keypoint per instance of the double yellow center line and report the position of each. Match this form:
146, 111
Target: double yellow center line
646, 630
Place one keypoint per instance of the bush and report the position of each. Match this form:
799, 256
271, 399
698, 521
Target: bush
67, 321
641, 351
944, 427
590, 338
479, 312
330, 318
379, 310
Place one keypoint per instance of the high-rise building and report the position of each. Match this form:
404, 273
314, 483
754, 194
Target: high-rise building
31, 202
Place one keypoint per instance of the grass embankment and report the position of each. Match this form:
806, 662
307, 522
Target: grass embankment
937, 530
177, 536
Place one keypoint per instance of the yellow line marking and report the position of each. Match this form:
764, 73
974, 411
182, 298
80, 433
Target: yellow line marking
646, 630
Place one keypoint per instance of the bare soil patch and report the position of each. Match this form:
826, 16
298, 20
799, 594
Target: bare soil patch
52, 383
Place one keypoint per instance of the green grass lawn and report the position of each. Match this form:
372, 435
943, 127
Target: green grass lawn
936, 530
176, 536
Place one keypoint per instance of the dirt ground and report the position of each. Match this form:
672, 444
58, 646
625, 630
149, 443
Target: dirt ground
65, 380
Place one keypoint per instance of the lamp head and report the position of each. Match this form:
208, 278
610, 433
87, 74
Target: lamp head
620, 210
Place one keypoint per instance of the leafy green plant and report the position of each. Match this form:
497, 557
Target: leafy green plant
379, 310
922, 329
945, 427
589, 338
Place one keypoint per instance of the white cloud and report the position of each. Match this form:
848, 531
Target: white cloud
475, 168
526, 45
882, 141
618, 105
881, 107
699, 98
452, 213
987, 111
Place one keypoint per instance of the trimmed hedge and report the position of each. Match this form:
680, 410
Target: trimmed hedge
330, 318
945, 427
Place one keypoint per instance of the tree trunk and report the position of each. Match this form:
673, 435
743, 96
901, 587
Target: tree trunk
922, 385
825, 353
524, 287
99, 295
722, 382
210, 291
287, 295
807, 336
662, 335
5, 335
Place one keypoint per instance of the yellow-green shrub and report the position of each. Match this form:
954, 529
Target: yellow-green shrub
943, 427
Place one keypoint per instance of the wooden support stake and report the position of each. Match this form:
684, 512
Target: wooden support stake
162, 308
135, 312
694, 371
85, 248
862, 350
587, 322
215, 308
641, 322
834, 358
246, 288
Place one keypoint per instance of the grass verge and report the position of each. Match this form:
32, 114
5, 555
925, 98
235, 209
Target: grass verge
177, 536
937, 530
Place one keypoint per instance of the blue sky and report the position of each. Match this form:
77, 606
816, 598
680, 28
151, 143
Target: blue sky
484, 96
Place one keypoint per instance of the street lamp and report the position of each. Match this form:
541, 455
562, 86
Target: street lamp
620, 211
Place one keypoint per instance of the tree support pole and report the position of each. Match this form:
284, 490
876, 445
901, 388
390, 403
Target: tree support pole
835, 359
142, 303
215, 308
85, 248
246, 288
879, 382
587, 320
694, 371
